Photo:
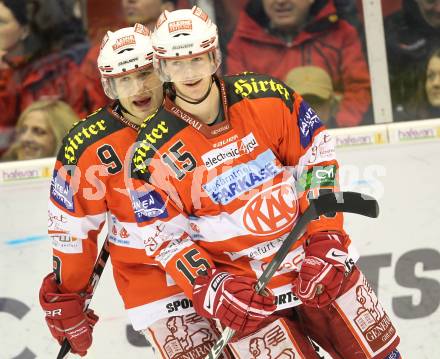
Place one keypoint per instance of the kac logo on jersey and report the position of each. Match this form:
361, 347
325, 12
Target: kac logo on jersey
308, 123
272, 210
61, 192
148, 205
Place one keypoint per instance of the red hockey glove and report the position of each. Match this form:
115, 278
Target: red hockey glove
232, 300
322, 270
65, 316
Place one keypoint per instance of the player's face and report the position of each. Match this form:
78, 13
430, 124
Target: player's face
140, 92
287, 14
430, 10
192, 76
433, 81
35, 137
141, 11
10, 30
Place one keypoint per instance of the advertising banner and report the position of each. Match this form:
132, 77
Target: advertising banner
400, 254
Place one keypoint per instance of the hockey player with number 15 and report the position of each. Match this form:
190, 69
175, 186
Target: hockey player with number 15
89, 188
225, 167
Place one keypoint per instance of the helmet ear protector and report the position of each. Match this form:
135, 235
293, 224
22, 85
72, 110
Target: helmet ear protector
108, 85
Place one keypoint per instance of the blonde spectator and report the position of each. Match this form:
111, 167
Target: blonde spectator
314, 84
42, 45
40, 130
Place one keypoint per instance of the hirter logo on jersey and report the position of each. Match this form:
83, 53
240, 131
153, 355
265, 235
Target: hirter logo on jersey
272, 210
218, 156
148, 205
308, 123
61, 192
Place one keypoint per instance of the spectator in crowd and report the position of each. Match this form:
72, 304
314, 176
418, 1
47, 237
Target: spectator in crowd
426, 102
226, 16
144, 12
45, 43
411, 35
40, 130
275, 36
13, 30
227, 11
347, 10
315, 86
432, 85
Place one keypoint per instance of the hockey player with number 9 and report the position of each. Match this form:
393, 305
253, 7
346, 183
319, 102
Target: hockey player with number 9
89, 187
231, 164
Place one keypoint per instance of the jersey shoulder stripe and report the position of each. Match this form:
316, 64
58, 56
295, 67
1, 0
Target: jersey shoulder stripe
249, 85
86, 132
156, 131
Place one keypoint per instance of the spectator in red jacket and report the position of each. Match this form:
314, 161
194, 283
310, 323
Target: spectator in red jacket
40, 59
13, 30
275, 36
144, 12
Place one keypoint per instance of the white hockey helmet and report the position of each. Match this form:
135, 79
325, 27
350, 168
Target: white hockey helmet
124, 51
183, 34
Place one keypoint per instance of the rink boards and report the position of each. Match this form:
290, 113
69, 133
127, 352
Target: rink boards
400, 250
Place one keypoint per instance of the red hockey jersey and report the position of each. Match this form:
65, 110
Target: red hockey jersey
88, 188
228, 194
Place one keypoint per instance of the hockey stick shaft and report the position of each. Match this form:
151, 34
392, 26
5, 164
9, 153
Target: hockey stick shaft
351, 202
93, 283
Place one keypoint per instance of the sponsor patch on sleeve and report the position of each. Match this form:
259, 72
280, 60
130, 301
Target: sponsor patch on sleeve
316, 177
148, 205
64, 242
308, 123
322, 149
61, 192
173, 247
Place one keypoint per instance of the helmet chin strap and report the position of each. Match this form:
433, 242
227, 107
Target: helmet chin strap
200, 100
126, 112
123, 109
